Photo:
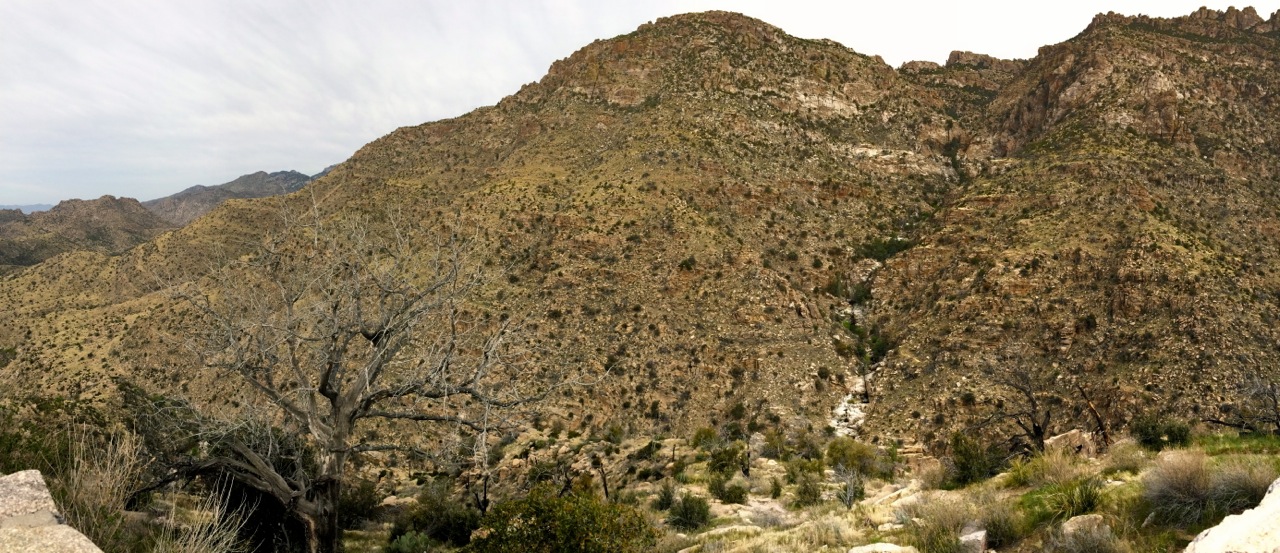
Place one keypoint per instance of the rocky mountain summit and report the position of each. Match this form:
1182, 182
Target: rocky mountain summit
741, 227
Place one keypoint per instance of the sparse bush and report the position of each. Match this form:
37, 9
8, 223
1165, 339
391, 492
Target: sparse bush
1004, 524
1241, 484
214, 531
851, 487
808, 491
935, 526
725, 491
92, 493
542, 522
970, 461
775, 488
1156, 433
704, 438
689, 513
437, 516
358, 502
1097, 539
726, 459
1178, 489
412, 542
854, 455
1125, 456
666, 496
799, 467
1054, 466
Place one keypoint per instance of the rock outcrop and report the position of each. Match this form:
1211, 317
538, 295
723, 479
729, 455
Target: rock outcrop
29, 519
1253, 531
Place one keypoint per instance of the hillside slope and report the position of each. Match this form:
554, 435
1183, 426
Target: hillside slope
736, 223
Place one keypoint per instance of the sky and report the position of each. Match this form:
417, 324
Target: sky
144, 98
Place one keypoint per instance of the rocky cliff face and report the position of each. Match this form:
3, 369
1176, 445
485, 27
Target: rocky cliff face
736, 223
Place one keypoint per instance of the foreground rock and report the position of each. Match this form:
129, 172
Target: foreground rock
1256, 530
30, 522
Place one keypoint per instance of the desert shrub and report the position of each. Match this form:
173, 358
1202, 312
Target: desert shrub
666, 496
412, 542
689, 513
1241, 484
846, 452
1004, 524
808, 491
545, 522
104, 472
1155, 432
438, 516
1178, 489
971, 461
1053, 466
1098, 539
357, 503
1125, 456
726, 459
935, 526
851, 487
725, 491
1074, 498
799, 467
215, 531
704, 438
775, 488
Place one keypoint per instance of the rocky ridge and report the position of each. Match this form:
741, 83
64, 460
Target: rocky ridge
738, 224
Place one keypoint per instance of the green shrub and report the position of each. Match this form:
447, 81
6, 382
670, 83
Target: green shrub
437, 516
808, 491
1003, 523
775, 488
357, 503
1054, 466
412, 542
689, 513
1156, 433
704, 438
846, 452
1074, 498
727, 459
666, 496
725, 491
970, 461
542, 522
799, 467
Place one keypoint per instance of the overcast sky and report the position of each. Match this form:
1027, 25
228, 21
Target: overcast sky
144, 98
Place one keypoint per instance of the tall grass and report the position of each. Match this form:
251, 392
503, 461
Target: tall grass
210, 529
103, 472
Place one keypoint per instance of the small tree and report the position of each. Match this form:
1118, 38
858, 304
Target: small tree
1033, 398
1258, 408
330, 323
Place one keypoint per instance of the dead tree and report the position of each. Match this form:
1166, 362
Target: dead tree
333, 322
1257, 408
1032, 399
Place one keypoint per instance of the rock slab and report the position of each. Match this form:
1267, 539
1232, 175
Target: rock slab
1256, 530
29, 519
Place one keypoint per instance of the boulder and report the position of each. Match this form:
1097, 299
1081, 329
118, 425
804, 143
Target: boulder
29, 519
973, 539
1253, 531
1076, 441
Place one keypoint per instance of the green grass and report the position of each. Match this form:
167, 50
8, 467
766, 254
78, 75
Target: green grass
1223, 444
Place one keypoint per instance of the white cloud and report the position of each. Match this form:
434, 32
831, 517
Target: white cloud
146, 97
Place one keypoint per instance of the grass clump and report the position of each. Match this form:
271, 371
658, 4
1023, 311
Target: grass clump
1093, 539
1187, 489
1059, 502
1054, 466
690, 512
935, 526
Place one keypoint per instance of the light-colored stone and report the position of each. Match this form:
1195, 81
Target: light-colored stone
883, 548
29, 519
973, 539
1256, 530
1091, 523
24, 493
1076, 441
45, 539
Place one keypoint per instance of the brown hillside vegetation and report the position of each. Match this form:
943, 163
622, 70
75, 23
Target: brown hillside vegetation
735, 224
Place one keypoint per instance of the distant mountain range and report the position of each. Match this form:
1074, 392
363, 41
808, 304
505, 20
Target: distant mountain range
31, 234
29, 208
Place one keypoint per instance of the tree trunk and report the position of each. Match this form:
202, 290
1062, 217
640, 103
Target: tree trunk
323, 533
